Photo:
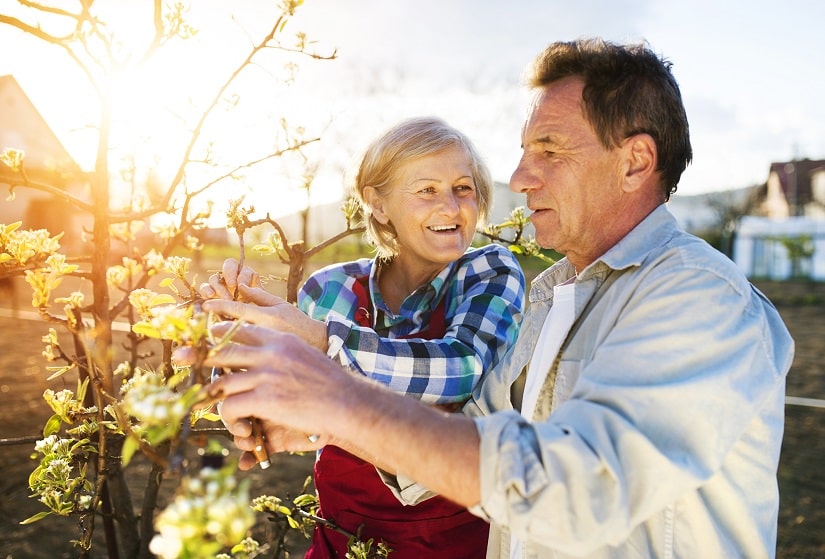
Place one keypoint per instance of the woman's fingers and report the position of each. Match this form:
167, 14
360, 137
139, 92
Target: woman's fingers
259, 296
215, 288
248, 311
234, 276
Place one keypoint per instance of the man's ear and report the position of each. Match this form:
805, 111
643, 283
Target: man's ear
641, 159
376, 204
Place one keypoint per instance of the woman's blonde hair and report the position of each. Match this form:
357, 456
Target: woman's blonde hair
408, 140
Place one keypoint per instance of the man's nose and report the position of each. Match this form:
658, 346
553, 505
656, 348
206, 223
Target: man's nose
522, 179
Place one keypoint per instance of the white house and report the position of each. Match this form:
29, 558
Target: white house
763, 247
787, 238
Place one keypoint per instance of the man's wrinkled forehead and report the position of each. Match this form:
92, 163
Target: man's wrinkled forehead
553, 103
532, 108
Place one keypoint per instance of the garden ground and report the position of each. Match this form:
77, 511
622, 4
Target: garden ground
23, 413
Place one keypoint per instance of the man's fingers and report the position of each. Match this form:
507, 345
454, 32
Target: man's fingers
242, 430
247, 461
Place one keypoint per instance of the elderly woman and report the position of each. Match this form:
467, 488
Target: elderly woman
427, 316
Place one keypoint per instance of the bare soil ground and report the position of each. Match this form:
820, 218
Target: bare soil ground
23, 413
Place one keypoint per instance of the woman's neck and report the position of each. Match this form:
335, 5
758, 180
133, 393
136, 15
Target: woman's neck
397, 281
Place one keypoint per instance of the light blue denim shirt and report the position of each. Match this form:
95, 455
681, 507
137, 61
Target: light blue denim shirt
658, 430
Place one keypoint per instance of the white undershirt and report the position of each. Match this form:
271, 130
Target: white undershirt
553, 332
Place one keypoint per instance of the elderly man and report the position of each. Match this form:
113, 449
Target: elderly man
640, 412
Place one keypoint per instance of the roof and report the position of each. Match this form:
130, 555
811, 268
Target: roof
25, 128
795, 178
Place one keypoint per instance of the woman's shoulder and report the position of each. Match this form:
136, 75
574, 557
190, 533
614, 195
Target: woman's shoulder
352, 268
334, 277
329, 285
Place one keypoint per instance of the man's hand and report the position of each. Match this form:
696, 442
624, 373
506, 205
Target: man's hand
278, 439
296, 390
283, 382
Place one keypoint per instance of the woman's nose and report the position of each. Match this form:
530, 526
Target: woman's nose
449, 204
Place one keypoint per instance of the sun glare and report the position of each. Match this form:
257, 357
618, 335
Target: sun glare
156, 104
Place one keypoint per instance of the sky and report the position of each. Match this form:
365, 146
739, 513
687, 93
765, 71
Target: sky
750, 71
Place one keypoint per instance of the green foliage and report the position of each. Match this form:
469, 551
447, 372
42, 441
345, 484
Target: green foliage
59, 481
210, 512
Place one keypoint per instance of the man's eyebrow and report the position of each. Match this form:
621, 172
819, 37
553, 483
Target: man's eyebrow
544, 140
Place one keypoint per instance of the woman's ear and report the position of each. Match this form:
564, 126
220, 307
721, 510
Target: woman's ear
376, 204
640, 153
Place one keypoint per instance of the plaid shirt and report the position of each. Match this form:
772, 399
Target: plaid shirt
485, 297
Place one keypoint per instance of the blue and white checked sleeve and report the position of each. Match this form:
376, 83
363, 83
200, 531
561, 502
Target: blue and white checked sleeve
483, 313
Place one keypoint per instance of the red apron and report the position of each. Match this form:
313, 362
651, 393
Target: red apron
353, 496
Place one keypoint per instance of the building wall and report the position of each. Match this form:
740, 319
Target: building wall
759, 251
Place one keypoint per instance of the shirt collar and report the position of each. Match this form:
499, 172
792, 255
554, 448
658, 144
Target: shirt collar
653, 231
424, 298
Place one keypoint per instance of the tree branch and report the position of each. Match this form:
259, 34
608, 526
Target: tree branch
53, 190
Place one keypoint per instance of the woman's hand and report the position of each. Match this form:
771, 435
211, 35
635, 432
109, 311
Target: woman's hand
264, 309
225, 284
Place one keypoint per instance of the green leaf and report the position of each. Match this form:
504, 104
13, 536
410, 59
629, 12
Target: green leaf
52, 426
162, 299
59, 371
36, 517
146, 329
263, 250
130, 445
34, 476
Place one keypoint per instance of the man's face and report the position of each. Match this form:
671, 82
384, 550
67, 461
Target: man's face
571, 181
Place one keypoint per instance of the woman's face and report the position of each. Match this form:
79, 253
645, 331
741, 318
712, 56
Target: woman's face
432, 203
